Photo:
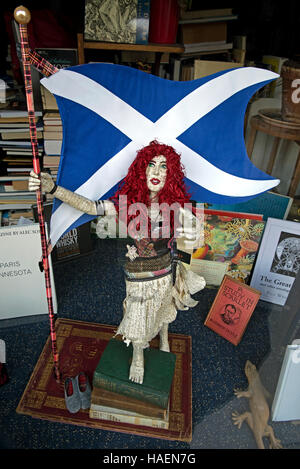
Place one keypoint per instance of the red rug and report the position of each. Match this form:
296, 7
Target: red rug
80, 346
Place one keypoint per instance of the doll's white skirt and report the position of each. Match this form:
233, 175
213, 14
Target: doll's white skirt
151, 303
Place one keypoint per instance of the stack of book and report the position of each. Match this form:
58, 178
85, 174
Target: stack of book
52, 141
52, 134
14, 194
203, 33
15, 140
16, 160
116, 398
205, 30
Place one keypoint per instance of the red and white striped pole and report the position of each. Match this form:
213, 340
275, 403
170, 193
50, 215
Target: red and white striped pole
22, 16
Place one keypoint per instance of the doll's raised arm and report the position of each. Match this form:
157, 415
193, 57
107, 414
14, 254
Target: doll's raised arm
91, 207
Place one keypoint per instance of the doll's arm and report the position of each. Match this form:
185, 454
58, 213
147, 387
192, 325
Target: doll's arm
71, 198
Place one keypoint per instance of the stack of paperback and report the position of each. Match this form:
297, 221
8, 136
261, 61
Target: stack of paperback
15, 140
16, 159
116, 398
52, 134
15, 195
52, 141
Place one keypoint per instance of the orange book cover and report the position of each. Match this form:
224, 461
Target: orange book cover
232, 309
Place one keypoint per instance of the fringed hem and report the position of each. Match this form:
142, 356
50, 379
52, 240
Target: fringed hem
149, 305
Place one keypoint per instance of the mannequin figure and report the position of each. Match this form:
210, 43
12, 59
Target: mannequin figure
155, 177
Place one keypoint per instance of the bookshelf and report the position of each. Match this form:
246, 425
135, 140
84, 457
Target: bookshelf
159, 49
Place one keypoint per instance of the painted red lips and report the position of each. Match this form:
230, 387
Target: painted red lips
155, 181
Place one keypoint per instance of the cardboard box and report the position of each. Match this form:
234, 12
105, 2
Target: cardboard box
203, 32
203, 68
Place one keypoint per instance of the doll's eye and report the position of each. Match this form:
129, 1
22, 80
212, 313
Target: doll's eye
164, 166
151, 164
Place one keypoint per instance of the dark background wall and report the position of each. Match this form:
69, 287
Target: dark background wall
271, 27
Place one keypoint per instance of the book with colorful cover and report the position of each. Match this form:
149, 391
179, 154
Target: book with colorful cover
112, 373
231, 242
232, 309
115, 21
103, 397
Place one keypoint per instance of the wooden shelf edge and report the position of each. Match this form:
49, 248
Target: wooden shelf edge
172, 48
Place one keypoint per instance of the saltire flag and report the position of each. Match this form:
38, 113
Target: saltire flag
110, 111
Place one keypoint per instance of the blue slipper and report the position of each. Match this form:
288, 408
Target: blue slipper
84, 390
72, 397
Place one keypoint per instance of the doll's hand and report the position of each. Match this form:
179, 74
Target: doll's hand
132, 252
34, 182
190, 225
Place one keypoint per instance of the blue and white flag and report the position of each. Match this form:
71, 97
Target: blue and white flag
109, 112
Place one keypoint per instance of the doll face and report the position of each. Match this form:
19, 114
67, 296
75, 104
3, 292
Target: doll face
156, 174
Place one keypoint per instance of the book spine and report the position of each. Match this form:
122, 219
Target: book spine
142, 21
143, 394
138, 407
125, 418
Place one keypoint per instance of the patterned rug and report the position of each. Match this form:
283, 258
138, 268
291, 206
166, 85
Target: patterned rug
80, 345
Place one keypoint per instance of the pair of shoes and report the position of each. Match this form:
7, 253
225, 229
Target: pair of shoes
77, 393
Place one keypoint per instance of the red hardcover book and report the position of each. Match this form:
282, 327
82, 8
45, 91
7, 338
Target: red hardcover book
232, 309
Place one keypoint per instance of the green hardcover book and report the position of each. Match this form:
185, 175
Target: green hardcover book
112, 373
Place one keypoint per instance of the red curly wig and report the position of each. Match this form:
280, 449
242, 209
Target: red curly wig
134, 186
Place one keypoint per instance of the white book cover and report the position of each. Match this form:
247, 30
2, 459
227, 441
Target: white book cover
22, 284
278, 260
15, 113
15, 143
286, 403
109, 413
52, 147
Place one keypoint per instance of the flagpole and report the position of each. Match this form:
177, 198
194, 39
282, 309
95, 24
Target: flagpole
22, 17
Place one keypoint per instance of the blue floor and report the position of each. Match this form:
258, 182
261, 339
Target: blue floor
91, 288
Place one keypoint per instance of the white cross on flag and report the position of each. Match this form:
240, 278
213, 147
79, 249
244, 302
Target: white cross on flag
109, 112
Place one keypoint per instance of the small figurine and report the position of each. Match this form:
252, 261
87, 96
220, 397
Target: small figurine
155, 179
258, 416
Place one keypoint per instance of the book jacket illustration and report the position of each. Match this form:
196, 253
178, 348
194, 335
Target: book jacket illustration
117, 21
232, 309
278, 260
230, 238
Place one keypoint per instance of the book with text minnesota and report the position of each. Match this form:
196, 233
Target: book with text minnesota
22, 284
278, 260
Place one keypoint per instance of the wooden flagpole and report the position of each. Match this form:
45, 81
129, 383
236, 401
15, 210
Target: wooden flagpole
22, 16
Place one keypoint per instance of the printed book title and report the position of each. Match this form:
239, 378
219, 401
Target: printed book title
238, 296
14, 268
232, 309
276, 281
